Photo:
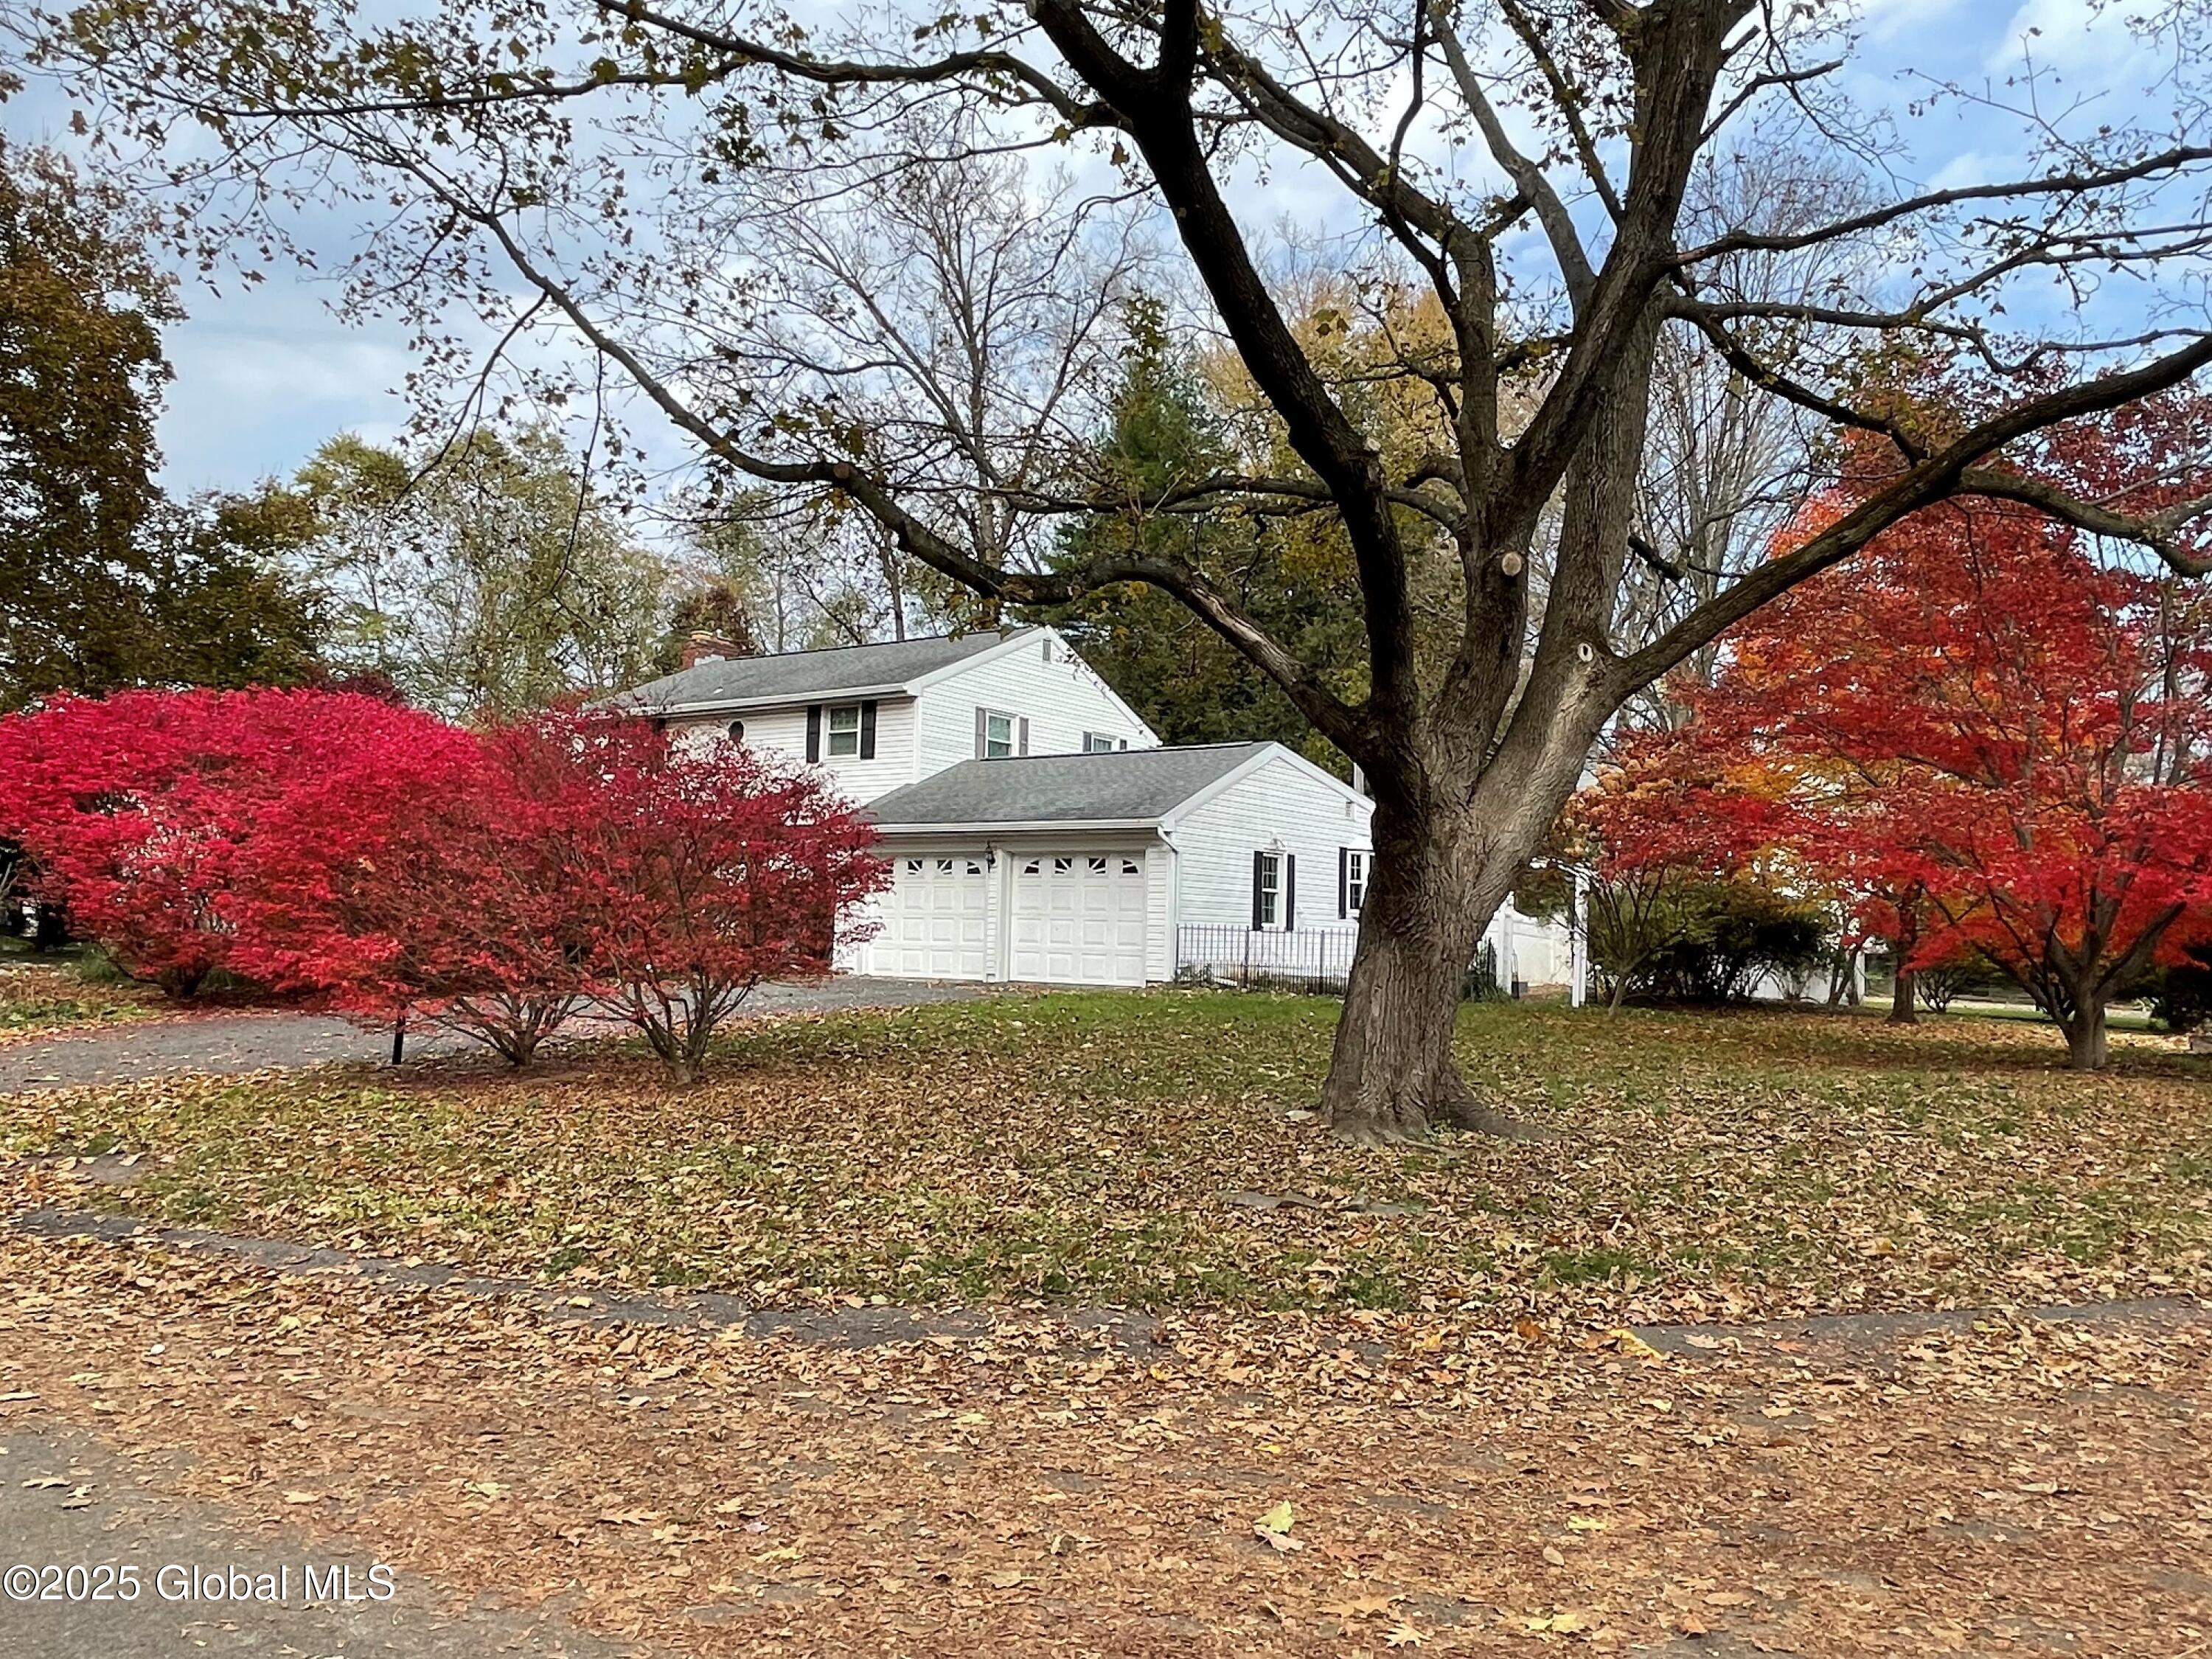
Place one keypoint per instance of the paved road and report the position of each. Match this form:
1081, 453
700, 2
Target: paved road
256, 1042
66, 1501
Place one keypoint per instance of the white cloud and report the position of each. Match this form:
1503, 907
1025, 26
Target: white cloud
253, 396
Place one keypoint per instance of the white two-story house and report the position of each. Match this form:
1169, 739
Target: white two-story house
1036, 828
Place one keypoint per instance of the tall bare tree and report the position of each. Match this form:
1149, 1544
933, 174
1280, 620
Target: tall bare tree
1725, 464
598, 158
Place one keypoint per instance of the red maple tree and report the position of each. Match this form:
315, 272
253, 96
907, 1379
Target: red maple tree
136, 808
414, 884
365, 858
1996, 741
694, 872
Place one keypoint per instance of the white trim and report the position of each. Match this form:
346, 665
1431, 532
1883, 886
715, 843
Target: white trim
1263, 862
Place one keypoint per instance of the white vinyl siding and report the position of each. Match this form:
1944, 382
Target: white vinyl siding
1279, 808
780, 734
1061, 700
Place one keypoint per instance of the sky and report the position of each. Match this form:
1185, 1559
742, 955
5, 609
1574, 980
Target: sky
263, 375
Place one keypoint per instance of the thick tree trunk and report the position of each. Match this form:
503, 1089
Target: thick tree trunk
1392, 1077
2084, 1037
1901, 1009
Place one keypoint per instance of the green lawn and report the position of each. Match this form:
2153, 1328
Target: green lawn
40, 994
1107, 1148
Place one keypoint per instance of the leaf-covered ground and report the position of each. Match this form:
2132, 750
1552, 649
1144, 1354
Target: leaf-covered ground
1146, 1151
1394, 1414
44, 999
1254, 1485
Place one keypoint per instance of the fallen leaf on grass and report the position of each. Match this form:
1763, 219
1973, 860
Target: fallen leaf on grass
1626, 1341
1273, 1528
1572, 1622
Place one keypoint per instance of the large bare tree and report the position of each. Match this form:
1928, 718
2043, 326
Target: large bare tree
602, 168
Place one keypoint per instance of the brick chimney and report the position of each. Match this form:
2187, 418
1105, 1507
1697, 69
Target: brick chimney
708, 648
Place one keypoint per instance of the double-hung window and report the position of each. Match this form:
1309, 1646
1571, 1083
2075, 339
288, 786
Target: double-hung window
1099, 742
843, 730
1355, 879
1267, 889
998, 734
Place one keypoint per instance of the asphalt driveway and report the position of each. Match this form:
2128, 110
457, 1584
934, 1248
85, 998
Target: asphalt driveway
266, 1040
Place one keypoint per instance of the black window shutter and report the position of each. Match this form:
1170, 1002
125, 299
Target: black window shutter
1022, 740
1085, 746
1258, 863
1290, 892
868, 730
1343, 883
982, 731
813, 732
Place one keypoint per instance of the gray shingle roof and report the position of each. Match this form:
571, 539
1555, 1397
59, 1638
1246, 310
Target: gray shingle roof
1129, 784
796, 675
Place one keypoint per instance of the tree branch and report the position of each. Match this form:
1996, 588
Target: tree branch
1330, 715
1929, 481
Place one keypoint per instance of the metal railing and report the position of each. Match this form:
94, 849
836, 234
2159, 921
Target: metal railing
1314, 962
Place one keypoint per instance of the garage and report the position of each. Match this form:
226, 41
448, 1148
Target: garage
1113, 867
1078, 918
935, 919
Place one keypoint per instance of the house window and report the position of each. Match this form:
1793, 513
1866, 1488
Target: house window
998, 734
1268, 890
1355, 880
1099, 742
737, 730
844, 730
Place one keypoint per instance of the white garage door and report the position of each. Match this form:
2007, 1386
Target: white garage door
1079, 919
933, 920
